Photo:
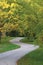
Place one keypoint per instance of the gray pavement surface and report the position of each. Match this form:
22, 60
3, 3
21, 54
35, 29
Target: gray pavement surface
11, 57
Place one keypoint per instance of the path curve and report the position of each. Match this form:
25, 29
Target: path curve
11, 57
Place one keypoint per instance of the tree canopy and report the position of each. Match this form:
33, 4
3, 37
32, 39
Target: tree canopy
23, 16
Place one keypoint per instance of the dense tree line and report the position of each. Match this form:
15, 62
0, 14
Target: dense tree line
22, 18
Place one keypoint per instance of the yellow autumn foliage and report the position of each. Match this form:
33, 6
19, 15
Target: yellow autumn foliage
10, 12
10, 26
14, 5
4, 5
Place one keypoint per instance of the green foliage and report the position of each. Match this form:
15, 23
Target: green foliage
26, 20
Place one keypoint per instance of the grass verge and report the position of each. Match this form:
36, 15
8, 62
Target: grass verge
5, 45
33, 58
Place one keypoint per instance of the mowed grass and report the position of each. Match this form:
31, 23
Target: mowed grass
5, 45
33, 58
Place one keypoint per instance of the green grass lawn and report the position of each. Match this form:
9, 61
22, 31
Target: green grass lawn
5, 45
33, 58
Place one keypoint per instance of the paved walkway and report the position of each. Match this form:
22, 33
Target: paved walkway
10, 57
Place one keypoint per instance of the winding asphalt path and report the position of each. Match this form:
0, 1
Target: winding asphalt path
11, 57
